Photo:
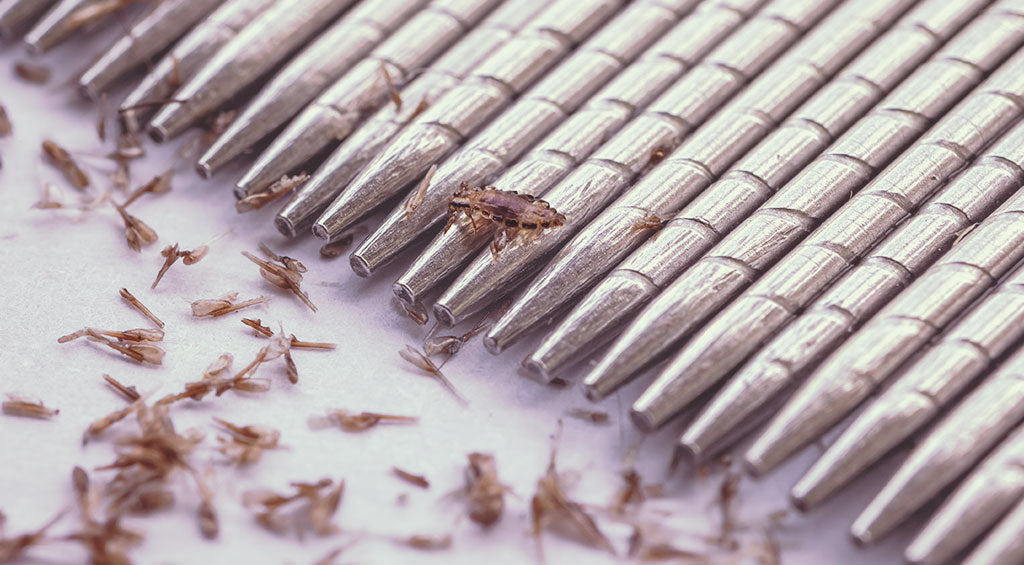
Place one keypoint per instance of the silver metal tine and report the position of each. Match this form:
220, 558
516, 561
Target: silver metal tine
17, 15
814, 264
334, 114
694, 165
952, 447
59, 23
550, 160
376, 132
161, 26
263, 43
985, 495
770, 231
964, 353
971, 196
906, 323
306, 75
682, 239
488, 90
618, 162
186, 58
1005, 544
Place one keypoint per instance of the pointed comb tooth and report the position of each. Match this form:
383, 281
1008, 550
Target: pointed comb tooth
1005, 544
61, 21
336, 113
161, 26
375, 134
984, 496
683, 239
952, 447
488, 90
185, 59
18, 15
550, 160
263, 43
306, 75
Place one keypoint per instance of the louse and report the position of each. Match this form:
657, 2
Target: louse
508, 209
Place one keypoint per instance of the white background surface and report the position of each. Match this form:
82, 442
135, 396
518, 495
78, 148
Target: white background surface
61, 270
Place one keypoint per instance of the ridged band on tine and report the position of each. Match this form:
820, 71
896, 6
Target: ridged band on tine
329, 119
576, 137
870, 356
695, 164
797, 208
953, 446
306, 75
1004, 545
617, 163
862, 292
186, 58
261, 45
17, 15
488, 90
376, 132
963, 354
684, 238
811, 267
59, 23
155, 31
987, 494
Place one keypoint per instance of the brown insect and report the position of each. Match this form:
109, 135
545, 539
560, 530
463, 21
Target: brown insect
649, 222
508, 209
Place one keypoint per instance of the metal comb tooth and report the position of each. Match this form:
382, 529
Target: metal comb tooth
954, 445
58, 24
334, 114
185, 59
960, 357
617, 163
17, 15
263, 43
985, 495
912, 317
148, 37
579, 134
796, 208
488, 90
694, 165
306, 75
814, 264
1005, 544
365, 143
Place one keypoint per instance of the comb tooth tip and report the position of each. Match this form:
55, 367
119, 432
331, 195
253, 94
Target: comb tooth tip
86, 91
755, 466
320, 231
642, 420
404, 293
537, 370
158, 133
359, 265
493, 344
285, 226
204, 170
444, 315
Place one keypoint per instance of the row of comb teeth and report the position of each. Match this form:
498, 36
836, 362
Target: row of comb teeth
825, 164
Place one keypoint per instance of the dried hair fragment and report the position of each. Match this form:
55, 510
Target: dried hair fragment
338, 245
587, 415
130, 343
27, 408
130, 393
395, 97
245, 444
135, 303
12, 548
414, 200
5, 123
427, 542
286, 274
34, 73
171, 254
353, 422
60, 158
258, 200
136, 232
159, 185
411, 478
281, 513
485, 495
214, 307
416, 358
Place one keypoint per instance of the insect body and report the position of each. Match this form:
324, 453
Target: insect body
508, 209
